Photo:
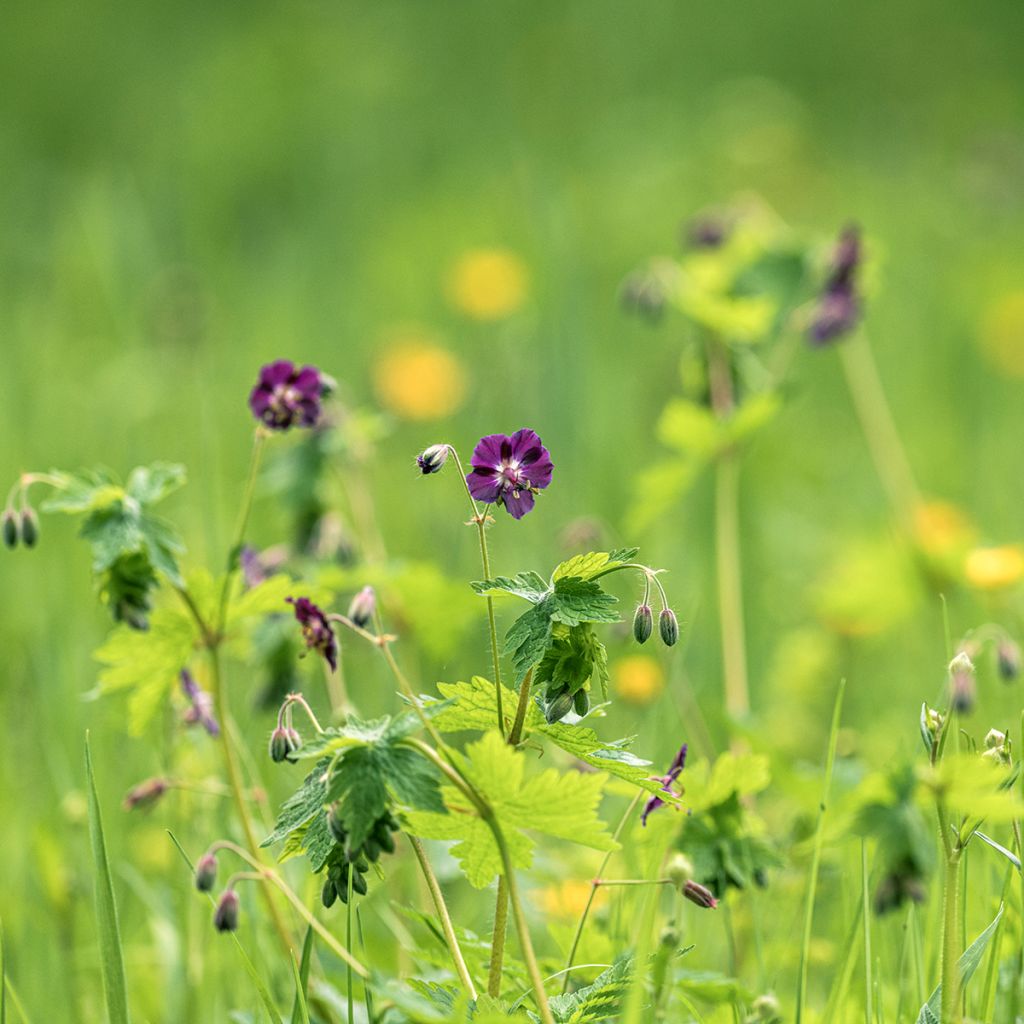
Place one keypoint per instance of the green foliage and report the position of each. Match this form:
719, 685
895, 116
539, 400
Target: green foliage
130, 545
111, 955
472, 706
552, 803
363, 768
602, 999
966, 966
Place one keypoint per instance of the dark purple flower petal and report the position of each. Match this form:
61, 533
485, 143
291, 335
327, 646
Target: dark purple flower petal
517, 503
487, 452
674, 771
284, 396
316, 629
484, 484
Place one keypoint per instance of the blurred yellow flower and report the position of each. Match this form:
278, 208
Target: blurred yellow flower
994, 568
638, 679
417, 379
488, 284
568, 899
943, 535
1002, 333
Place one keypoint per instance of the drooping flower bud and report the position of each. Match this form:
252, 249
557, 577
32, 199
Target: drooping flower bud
994, 738
29, 527
643, 623
206, 872
283, 743
432, 459
668, 626
679, 870
363, 605
145, 794
1008, 657
225, 917
767, 1009
699, 894
10, 528
559, 707
962, 689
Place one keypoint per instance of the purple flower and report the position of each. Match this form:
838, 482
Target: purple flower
316, 630
200, 709
674, 771
509, 471
839, 307
285, 397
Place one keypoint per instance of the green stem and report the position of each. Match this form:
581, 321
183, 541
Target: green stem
593, 893
730, 586
878, 426
866, 913
812, 884
480, 519
950, 1013
502, 897
443, 916
348, 942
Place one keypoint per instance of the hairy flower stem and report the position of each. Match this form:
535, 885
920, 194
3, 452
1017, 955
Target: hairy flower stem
502, 898
951, 1007
480, 519
727, 541
593, 893
443, 916
486, 813
878, 426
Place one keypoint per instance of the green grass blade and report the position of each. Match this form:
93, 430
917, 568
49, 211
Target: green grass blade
250, 967
3, 978
300, 1011
114, 985
812, 886
866, 916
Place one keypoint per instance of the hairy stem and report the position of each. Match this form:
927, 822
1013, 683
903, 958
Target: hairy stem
950, 943
443, 916
502, 898
878, 426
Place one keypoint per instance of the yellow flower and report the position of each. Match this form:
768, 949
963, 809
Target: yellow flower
568, 899
1002, 333
416, 379
943, 535
994, 568
638, 679
488, 284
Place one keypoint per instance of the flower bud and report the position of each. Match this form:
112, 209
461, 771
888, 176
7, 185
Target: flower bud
643, 623
283, 743
225, 917
206, 872
432, 459
699, 894
10, 528
668, 626
363, 605
679, 870
767, 1009
581, 702
994, 738
998, 755
1008, 657
145, 794
328, 894
29, 527
558, 708
962, 689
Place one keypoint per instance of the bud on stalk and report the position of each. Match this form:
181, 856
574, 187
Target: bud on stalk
643, 624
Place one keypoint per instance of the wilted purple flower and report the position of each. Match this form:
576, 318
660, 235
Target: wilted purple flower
674, 771
145, 794
509, 471
316, 630
839, 306
285, 396
699, 894
200, 709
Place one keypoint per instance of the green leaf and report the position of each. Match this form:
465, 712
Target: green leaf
593, 564
600, 1000
528, 637
302, 805
111, 957
82, 491
973, 787
561, 805
527, 585
966, 966
731, 775
690, 429
300, 1009
150, 484
577, 600
658, 488
472, 706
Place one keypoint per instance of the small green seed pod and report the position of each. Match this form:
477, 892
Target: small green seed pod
329, 894
558, 708
359, 884
643, 624
668, 626
581, 702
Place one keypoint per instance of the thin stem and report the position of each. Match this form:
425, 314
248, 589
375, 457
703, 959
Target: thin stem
866, 911
812, 885
730, 586
950, 945
348, 942
502, 897
443, 916
878, 426
237, 789
593, 892
480, 519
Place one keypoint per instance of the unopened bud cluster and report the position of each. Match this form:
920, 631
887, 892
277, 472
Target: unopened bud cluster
347, 862
643, 625
997, 748
20, 527
284, 743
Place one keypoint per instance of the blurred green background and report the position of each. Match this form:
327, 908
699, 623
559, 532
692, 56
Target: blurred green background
188, 191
